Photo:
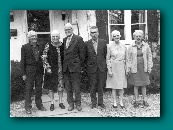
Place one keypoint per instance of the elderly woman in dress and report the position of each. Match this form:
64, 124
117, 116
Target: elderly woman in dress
52, 62
116, 64
139, 66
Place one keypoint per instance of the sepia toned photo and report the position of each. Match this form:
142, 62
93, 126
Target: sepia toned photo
85, 63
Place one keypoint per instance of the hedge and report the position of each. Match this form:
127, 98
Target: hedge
17, 84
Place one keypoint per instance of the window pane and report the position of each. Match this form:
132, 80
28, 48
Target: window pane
138, 27
116, 16
38, 20
138, 16
119, 28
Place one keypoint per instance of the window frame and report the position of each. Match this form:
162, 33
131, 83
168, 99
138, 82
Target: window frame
128, 23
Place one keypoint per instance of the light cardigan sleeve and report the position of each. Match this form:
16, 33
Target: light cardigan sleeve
108, 59
149, 59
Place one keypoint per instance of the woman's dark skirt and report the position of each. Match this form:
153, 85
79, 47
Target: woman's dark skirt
140, 78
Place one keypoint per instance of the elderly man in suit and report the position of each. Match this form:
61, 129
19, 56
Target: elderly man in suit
73, 60
32, 70
96, 50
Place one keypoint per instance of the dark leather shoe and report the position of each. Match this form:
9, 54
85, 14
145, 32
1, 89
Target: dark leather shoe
136, 104
71, 107
145, 103
79, 108
51, 107
61, 105
28, 111
122, 107
93, 106
114, 106
41, 108
102, 106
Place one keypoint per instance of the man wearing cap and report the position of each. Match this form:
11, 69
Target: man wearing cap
32, 70
73, 60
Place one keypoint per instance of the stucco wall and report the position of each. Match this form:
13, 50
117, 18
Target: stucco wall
85, 19
17, 41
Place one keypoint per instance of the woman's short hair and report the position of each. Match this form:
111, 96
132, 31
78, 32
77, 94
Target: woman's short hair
31, 33
138, 32
115, 32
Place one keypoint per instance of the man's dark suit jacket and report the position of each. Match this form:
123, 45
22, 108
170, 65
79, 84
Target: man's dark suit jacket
93, 60
74, 54
29, 65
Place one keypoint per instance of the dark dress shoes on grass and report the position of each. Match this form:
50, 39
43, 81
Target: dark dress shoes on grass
122, 107
51, 107
41, 108
102, 106
114, 106
79, 108
61, 105
145, 104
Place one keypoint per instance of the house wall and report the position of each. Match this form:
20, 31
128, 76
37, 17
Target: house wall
84, 18
17, 41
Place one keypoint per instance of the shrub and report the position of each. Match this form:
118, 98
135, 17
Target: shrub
17, 84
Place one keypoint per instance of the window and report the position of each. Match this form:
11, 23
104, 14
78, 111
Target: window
116, 22
127, 21
138, 21
38, 20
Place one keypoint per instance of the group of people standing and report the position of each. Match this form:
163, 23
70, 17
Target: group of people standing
61, 64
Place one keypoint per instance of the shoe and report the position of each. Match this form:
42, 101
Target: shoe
41, 108
93, 106
61, 105
145, 103
122, 107
136, 104
71, 107
51, 107
79, 108
28, 111
114, 106
102, 106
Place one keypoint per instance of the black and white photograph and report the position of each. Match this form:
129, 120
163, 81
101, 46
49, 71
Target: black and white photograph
84, 63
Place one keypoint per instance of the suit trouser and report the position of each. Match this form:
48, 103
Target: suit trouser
38, 90
97, 82
72, 83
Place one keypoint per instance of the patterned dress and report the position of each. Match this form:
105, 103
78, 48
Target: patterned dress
116, 59
53, 61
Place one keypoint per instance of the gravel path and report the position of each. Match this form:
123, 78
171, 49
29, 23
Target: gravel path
17, 108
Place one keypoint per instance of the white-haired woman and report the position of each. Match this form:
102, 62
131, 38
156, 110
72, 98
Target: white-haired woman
139, 66
52, 62
116, 64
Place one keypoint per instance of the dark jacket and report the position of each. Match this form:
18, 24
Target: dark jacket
29, 65
74, 55
93, 60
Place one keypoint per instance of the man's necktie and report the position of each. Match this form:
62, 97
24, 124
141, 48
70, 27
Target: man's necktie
67, 42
